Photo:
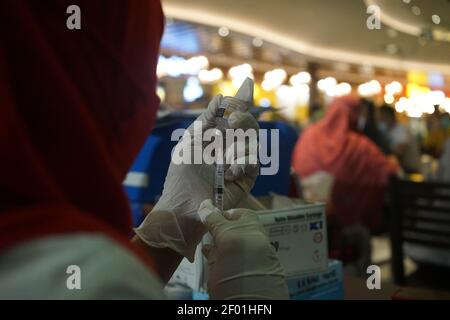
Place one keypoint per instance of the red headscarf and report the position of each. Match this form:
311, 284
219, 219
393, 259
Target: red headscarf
76, 106
360, 169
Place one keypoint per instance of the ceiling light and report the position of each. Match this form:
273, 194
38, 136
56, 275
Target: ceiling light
161, 93
276, 74
173, 66
341, 67
176, 66
416, 10
266, 85
192, 90
339, 90
273, 79
422, 103
393, 88
300, 78
224, 31
290, 99
343, 89
241, 71
402, 105
436, 19
389, 98
326, 84
376, 86
210, 76
392, 33
369, 88
195, 64
367, 69
445, 105
264, 102
257, 42
392, 48
435, 98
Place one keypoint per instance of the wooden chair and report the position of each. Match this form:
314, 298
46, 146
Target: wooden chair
420, 215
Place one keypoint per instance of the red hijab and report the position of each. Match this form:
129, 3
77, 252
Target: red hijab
76, 106
360, 169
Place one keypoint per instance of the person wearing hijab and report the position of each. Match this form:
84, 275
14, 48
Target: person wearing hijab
402, 142
369, 126
357, 168
76, 107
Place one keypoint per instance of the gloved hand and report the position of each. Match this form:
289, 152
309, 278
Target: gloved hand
242, 262
174, 221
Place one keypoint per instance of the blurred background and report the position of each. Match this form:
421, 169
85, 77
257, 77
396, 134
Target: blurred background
315, 50
302, 54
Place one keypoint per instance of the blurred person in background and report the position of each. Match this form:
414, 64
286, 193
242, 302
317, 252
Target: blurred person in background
436, 135
368, 123
402, 143
445, 123
358, 173
443, 171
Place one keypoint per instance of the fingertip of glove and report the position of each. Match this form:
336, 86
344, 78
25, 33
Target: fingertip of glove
217, 100
205, 209
233, 214
207, 204
243, 120
210, 215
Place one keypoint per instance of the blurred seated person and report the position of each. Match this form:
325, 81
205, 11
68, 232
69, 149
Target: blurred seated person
368, 123
437, 134
445, 123
443, 171
401, 142
357, 171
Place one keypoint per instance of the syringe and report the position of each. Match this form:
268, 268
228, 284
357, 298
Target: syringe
219, 185
219, 173
243, 96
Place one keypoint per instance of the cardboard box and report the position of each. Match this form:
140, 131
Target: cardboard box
328, 285
298, 235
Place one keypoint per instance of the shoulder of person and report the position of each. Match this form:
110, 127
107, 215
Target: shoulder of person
77, 266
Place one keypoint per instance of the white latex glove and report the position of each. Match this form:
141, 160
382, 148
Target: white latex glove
242, 262
174, 222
